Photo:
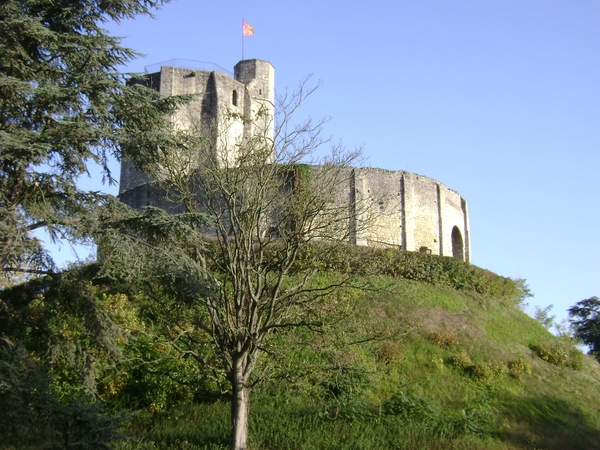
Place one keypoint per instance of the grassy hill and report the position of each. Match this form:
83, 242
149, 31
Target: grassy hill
447, 362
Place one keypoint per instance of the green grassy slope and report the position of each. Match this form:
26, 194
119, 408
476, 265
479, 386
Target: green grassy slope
435, 368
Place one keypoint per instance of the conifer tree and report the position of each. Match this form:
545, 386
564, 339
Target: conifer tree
585, 320
63, 106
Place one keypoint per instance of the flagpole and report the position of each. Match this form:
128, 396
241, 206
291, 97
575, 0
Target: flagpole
242, 38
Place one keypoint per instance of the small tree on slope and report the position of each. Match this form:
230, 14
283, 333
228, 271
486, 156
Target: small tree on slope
231, 256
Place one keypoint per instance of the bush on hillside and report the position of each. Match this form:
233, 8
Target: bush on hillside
444, 338
390, 352
552, 352
519, 367
415, 266
440, 421
488, 370
575, 359
462, 361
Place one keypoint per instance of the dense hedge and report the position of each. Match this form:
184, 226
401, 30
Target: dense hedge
426, 268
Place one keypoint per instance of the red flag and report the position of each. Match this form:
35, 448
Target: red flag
247, 29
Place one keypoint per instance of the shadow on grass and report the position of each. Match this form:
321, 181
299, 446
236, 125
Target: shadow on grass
188, 427
550, 423
539, 422
206, 427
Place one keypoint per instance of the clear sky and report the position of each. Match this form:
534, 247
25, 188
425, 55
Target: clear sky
498, 100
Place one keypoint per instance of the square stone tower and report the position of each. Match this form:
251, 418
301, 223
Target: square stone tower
231, 110
258, 77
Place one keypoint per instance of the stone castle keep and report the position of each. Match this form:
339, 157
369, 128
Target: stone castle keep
418, 214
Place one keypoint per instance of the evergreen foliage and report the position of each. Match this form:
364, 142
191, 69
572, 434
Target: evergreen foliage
31, 416
63, 107
57, 342
585, 319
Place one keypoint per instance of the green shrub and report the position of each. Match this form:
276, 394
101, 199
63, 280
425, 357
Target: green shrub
560, 354
409, 407
519, 367
488, 370
462, 361
346, 383
440, 421
390, 352
499, 368
415, 266
552, 352
436, 363
482, 371
575, 359
444, 338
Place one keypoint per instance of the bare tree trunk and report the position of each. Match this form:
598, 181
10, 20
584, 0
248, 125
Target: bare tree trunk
239, 408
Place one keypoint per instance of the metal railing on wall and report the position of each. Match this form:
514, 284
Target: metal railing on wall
187, 64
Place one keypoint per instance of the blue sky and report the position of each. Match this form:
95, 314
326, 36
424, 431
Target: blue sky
498, 100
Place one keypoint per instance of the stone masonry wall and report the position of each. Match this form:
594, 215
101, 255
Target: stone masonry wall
393, 209
409, 211
224, 107
387, 208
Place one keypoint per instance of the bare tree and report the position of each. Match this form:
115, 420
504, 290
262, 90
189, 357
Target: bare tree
252, 207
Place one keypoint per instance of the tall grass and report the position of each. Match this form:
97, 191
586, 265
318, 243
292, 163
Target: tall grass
401, 390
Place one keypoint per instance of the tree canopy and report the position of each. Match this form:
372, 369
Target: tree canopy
63, 106
585, 319
231, 256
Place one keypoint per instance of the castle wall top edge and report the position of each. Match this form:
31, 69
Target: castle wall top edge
255, 59
189, 64
376, 170
404, 172
220, 72
197, 66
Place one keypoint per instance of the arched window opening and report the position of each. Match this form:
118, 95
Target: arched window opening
234, 98
458, 247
